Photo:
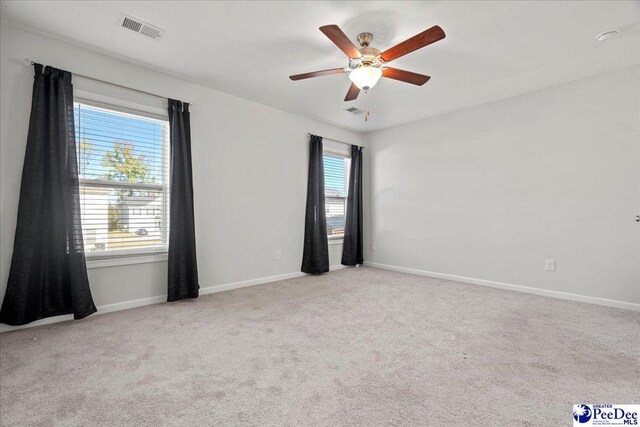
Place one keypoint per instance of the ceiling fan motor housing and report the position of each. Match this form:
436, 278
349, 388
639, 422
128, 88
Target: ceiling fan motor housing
369, 52
370, 57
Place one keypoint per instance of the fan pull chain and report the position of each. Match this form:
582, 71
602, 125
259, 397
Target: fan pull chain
366, 107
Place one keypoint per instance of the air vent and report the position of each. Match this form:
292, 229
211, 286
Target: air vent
148, 31
140, 27
132, 25
354, 110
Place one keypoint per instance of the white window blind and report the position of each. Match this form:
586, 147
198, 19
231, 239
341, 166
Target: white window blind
336, 188
123, 168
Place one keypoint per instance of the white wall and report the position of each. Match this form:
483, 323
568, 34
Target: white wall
249, 160
491, 192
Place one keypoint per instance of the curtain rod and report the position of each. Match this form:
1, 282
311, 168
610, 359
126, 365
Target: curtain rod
30, 62
335, 140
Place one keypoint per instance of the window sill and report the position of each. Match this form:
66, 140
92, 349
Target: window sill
336, 240
126, 260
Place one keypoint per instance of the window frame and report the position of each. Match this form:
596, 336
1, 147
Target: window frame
345, 154
135, 255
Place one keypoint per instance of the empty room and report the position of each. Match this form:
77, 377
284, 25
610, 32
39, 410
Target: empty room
319, 213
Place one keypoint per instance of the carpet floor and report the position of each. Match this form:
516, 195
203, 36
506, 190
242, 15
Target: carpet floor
353, 347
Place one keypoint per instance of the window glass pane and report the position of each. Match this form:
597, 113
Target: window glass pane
336, 213
336, 175
123, 171
336, 184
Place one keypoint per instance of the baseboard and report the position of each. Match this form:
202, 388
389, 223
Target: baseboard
102, 309
125, 305
518, 288
247, 283
109, 308
41, 322
259, 281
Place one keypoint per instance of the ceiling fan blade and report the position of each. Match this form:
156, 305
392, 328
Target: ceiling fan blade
405, 76
416, 42
341, 40
352, 93
317, 74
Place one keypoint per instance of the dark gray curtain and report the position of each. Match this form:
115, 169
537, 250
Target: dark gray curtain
48, 275
315, 259
352, 249
183, 267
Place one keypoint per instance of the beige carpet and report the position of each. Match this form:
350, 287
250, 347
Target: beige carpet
352, 347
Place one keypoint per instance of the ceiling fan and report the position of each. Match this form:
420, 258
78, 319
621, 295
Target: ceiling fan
368, 64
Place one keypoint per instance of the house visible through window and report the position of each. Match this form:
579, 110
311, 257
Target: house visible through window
336, 188
123, 175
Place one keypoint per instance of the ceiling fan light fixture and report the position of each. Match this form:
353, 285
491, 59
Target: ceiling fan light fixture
365, 77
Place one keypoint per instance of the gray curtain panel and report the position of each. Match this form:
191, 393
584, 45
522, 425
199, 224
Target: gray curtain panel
183, 265
352, 249
48, 275
315, 259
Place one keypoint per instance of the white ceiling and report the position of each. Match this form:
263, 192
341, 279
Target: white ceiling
493, 50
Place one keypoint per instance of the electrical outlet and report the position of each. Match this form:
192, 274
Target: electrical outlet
373, 247
279, 254
550, 265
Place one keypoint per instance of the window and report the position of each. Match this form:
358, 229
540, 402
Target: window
123, 168
336, 188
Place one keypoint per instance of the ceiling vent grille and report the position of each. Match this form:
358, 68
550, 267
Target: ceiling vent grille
140, 27
131, 24
354, 110
149, 31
